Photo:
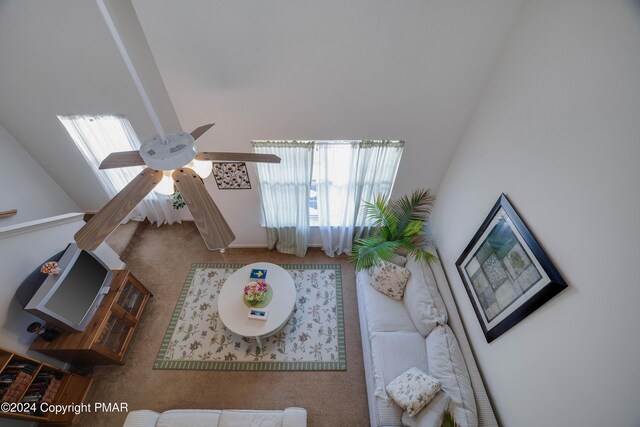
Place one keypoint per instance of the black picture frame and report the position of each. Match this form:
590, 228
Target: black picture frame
231, 175
503, 248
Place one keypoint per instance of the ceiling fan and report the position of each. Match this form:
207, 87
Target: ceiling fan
164, 155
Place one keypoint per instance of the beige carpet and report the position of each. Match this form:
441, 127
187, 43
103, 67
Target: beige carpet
161, 258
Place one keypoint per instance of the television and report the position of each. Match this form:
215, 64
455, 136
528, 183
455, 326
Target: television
70, 299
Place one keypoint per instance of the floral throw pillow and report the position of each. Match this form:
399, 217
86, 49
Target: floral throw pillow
412, 390
390, 279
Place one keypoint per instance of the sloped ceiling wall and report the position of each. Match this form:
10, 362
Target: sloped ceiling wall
281, 69
409, 70
58, 57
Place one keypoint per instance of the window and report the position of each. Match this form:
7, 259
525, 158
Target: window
323, 183
97, 136
331, 166
344, 169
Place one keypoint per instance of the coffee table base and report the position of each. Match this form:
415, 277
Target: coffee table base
279, 329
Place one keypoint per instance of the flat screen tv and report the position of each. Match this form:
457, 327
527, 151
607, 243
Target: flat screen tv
69, 300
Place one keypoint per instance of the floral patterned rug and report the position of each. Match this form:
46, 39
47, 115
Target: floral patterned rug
312, 340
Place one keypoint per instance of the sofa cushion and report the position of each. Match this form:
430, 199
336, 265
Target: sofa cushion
189, 418
390, 279
141, 418
431, 415
399, 260
447, 365
422, 298
393, 353
412, 390
294, 417
383, 314
244, 418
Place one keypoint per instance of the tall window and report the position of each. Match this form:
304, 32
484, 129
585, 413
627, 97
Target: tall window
337, 165
97, 136
342, 175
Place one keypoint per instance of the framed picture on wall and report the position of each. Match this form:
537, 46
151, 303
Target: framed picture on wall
231, 175
506, 272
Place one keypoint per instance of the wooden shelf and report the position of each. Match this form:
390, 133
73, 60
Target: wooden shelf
106, 338
73, 389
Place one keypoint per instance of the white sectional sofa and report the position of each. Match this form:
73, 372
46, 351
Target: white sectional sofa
420, 329
290, 417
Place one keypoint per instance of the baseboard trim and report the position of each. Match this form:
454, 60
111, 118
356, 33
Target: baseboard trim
260, 245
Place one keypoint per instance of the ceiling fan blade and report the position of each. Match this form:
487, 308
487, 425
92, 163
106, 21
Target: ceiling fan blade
238, 157
122, 159
102, 224
214, 229
201, 130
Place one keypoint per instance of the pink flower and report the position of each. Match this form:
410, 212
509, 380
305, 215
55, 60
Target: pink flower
255, 290
49, 267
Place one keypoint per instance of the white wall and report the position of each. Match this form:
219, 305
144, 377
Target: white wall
327, 69
26, 186
558, 131
59, 58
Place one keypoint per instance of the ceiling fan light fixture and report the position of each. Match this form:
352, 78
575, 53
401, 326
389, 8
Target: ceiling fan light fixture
171, 152
165, 186
202, 168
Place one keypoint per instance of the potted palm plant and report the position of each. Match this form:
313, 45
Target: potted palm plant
398, 227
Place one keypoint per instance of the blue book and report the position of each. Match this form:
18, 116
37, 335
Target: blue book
258, 274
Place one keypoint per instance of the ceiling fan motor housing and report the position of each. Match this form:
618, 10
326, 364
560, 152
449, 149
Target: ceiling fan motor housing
172, 152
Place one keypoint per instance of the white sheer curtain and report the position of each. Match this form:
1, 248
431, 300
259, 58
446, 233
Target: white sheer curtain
284, 190
98, 136
372, 168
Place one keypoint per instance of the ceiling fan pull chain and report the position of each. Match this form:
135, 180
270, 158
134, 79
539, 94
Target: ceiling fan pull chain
134, 75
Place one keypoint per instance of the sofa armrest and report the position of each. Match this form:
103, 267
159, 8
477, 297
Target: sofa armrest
294, 417
141, 418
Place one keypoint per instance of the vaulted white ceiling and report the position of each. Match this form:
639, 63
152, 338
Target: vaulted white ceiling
329, 69
281, 69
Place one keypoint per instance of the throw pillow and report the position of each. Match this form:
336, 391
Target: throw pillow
412, 390
399, 260
390, 279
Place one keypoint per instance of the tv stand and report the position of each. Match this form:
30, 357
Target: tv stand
107, 336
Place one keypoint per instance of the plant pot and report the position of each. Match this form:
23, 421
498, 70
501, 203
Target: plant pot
253, 303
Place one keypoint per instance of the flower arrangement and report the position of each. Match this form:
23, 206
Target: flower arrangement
50, 267
255, 291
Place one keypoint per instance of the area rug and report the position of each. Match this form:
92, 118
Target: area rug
312, 340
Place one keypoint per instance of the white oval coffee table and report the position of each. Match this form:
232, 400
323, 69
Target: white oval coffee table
233, 311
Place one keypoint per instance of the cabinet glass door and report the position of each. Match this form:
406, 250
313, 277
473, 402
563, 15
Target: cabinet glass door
114, 335
131, 298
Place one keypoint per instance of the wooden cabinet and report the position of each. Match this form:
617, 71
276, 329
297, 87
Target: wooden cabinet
28, 385
107, 337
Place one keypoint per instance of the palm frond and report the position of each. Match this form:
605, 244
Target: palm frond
380, 213
448, 420
422, 255
396, 224
414, 228
370, 251
415, 207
